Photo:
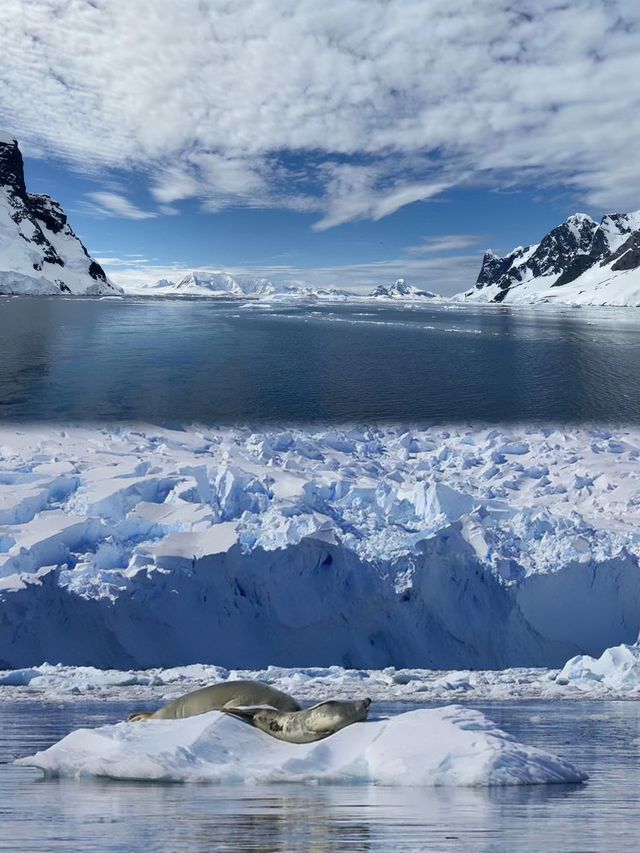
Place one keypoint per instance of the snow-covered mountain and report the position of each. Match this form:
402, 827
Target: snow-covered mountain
308, 291
39, 252
578, 262
221, 284
401, 290
224, 285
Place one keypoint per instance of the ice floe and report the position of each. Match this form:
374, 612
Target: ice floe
451, 746
615, 675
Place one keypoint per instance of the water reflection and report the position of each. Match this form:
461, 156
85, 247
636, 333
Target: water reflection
220, 362
94, 815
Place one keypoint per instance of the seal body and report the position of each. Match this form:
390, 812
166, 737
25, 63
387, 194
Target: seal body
221, 697
305, 726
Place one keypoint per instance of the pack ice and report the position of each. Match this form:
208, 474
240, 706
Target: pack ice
443, 746
362, 547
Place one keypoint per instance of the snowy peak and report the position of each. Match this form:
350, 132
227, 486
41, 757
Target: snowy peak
579, 252
39, 252
213, 282
400, 290
218, 284
224, 285
308, 291
616, 228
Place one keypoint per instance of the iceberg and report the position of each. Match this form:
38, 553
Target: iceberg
615, 672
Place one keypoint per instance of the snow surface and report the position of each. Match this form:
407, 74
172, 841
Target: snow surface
132, 547
452, 746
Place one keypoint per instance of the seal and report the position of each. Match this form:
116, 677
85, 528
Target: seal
220, 697
315, 723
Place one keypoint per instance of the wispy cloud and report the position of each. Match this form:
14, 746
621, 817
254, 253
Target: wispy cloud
114, 204
444, 243
356, 193
265, 103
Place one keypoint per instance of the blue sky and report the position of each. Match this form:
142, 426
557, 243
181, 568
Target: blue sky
345, 143
436, 243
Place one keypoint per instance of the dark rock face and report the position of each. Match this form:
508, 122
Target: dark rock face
575, 268
44, 208
45, 218
494, 268
627, 257
560, 246
96, 272
566, 251
12, 168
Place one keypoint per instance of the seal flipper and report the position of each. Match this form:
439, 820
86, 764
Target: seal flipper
245, 712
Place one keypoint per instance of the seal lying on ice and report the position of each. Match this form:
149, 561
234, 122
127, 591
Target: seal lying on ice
312, 724
220, 697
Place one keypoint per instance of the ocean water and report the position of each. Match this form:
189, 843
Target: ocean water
602, 738
184, 360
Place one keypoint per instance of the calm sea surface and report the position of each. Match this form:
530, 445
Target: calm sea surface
184, 360
602, 738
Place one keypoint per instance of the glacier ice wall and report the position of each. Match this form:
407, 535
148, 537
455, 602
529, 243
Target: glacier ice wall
368, 547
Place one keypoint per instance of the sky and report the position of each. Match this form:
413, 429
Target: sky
338, 143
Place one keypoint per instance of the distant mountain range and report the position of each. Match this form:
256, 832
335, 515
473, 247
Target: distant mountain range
579, 262
39, 252
224, 285
201, 283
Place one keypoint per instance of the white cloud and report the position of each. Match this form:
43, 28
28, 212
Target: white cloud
361, 192
114, 204
265, 102
444, 243
174, 184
